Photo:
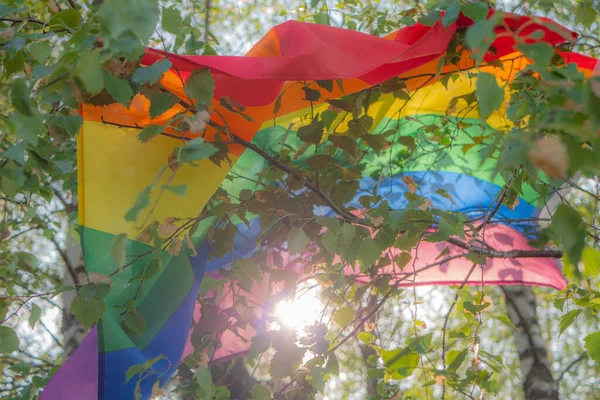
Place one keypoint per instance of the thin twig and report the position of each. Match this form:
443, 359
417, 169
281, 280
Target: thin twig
579, 359
446, 318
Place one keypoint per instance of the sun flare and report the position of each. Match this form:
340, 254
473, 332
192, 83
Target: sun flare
301, 312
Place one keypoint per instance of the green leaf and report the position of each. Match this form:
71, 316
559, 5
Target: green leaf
345, 237
4, 303
40, 51
246, 270
455, 358
22, 369
451, 14
568, 226
316, 378
142, 201
90, 72
260, 392
480, 35
179, 190
332, 224
196, 150
430, 19
445, 230
402, 259
200, 86
134, 321
26, 260
313, 132
15, 64
327, 85
171, 20
539, 52
476, 11
369, 253
585, 15
68, 123
489, 95
68, 18
88, 310
140, 368
19, 96
366, 337
445, 194
591, 261
344, 316
94, 291
345, 143
5, 9
311, 94
152, 269
321, 18
329, 241
568, 319
333, 367
162, 102
15, 152
297, 240
592, 346
506, 321
35, 315
119, 89
117, 249
475, 308
421, 344
9, 341
151, 73
399, 363
285, 361
134, 370
209, 284
376, 142
277, 105
149, 132
137, 16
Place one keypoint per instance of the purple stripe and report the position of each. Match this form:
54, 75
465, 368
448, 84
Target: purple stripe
78, 377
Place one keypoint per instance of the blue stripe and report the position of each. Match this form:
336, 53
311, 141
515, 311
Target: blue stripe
470, 195
169, 342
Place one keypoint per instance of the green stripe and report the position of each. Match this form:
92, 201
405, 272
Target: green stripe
429, 155
157, 300
163, 299
432, 156
97, 254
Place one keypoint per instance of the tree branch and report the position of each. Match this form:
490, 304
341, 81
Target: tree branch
296, 174
579, 359
550, 253
67, 261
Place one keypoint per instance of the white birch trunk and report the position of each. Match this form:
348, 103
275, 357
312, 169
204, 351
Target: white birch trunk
538, 382
73, 332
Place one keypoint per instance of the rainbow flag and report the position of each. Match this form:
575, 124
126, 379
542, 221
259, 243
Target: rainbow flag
115, 167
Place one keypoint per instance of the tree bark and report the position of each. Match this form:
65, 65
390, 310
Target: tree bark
538, 382
237, 379
206, 21
367, 351
72, 330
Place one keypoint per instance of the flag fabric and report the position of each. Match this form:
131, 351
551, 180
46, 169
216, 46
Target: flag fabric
116, 170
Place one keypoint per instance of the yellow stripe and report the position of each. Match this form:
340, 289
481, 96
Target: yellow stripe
114, 167
431, 99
